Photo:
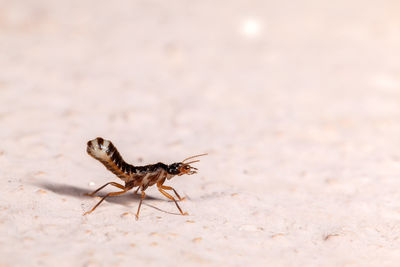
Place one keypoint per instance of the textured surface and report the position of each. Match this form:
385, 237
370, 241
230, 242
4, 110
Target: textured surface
296, 102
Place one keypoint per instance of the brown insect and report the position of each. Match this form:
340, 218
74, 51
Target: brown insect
140, 176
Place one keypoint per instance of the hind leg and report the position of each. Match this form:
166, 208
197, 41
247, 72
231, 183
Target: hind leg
106, 196
98, 189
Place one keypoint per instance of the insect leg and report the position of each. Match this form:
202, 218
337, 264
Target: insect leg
137, 190
140, 204
108, 195
170, 188
172, 198
98, 189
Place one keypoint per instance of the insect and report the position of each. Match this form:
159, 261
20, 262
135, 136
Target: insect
137, 176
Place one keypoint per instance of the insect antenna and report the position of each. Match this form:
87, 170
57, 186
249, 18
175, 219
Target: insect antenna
195, 156
187, 163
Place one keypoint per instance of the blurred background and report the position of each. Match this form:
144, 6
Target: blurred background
296, 102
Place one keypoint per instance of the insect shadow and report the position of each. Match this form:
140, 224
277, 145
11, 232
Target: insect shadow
79, 192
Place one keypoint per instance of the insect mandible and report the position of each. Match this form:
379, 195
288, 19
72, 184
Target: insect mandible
137, 176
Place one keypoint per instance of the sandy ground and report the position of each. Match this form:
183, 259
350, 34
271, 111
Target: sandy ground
296, 102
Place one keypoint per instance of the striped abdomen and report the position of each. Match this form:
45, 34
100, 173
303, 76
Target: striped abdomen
106, 153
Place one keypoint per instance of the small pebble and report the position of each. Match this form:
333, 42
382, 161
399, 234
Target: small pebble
154, 234
250, 228
40, 173
329, 236
277, 235
197, 239
125, 214
41, 191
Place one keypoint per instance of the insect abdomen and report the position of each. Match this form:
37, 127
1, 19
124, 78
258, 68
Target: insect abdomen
106, 153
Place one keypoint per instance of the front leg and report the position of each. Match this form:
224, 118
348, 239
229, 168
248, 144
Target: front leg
159, 185
172, 198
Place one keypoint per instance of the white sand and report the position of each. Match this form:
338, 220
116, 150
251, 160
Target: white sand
297, 104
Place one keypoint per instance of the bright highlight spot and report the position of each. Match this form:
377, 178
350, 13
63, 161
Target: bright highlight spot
250, 28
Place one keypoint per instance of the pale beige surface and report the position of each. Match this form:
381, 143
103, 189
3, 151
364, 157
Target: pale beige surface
297, 105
